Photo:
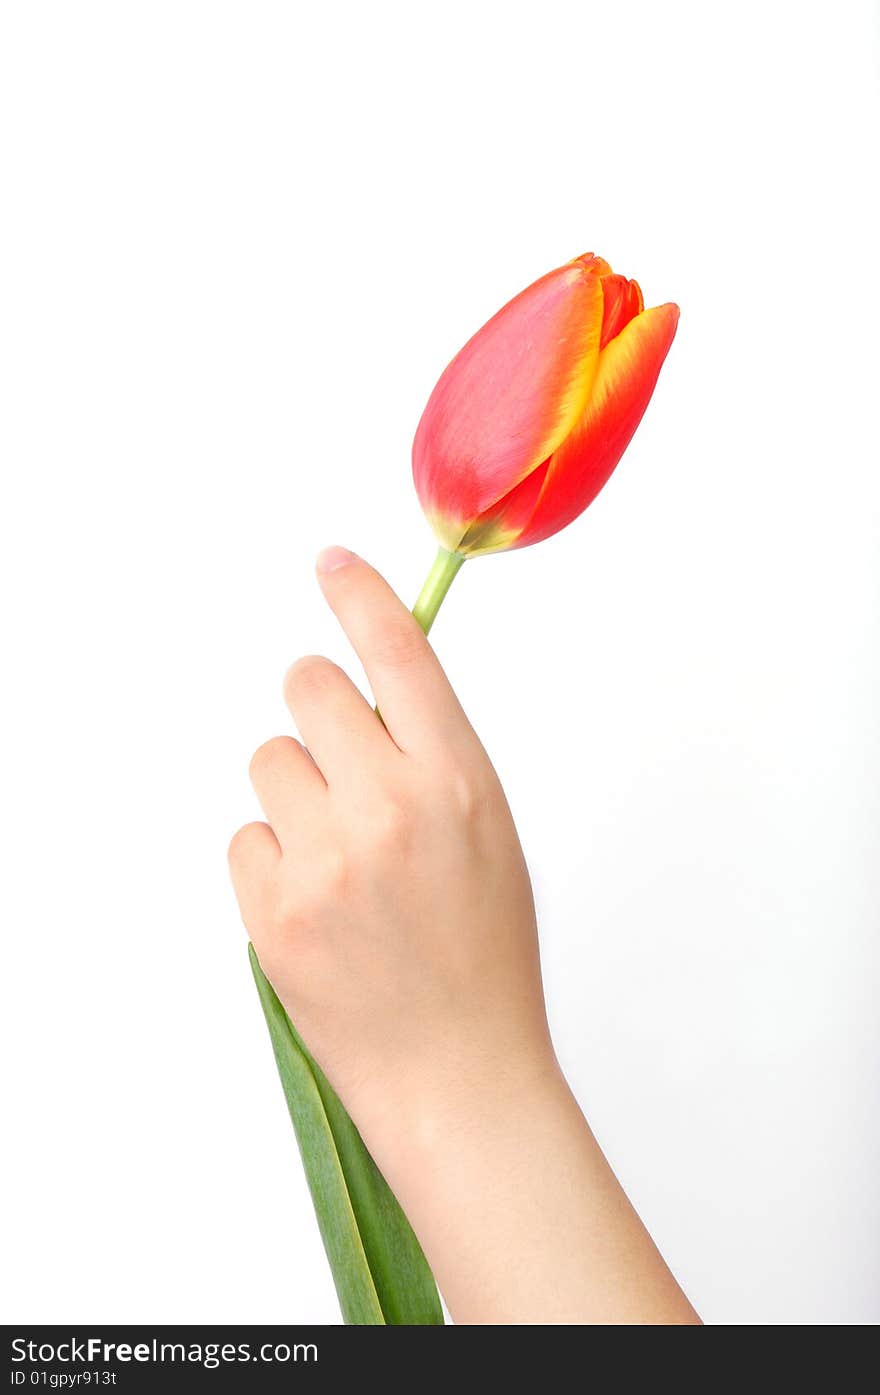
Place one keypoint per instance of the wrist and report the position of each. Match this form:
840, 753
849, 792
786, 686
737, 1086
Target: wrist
465, 1122
484, 1105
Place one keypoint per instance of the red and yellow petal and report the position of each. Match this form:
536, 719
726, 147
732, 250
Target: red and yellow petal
590, 262
498, 528
509, 398
627, 372
623, 301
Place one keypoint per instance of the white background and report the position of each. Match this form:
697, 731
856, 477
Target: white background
240, 241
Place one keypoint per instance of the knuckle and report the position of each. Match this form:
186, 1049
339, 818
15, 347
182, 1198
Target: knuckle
390, 826
333, 876
301, 907
466, 794
246, 841
288, 912
400, 644
267, 755
238, 844
309, 676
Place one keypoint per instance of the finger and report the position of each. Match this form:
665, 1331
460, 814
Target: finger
288, 785
342, 732
254, 860
413, 693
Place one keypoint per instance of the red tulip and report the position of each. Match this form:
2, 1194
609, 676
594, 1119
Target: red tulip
530, 418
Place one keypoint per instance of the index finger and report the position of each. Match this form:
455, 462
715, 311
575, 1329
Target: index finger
411, 690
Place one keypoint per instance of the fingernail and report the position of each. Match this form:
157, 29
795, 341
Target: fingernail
332, 558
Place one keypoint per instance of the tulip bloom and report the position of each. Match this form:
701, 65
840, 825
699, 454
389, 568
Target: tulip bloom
530, 418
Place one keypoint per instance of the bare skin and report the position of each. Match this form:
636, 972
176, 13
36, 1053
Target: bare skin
389, 903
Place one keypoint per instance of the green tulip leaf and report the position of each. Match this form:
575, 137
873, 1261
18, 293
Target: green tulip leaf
380, 1272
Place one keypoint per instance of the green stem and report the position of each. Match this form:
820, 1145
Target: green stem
437, 583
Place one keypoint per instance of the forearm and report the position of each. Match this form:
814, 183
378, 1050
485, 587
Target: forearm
519, 1214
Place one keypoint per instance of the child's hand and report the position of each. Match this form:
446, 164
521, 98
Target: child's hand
387, 896
390, 907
